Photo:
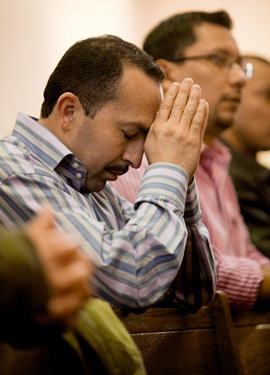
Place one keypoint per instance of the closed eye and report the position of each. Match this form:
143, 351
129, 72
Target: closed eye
128, 136
219, 60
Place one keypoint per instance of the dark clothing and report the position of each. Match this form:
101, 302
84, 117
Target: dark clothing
252, 183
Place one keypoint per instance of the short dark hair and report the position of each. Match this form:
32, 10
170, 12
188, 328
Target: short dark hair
92, 68
169, 39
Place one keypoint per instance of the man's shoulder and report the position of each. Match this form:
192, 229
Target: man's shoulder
14, 158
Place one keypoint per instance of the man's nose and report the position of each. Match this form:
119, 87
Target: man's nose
134, 153
237, 75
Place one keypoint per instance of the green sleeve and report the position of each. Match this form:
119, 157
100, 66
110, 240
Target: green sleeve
22, 289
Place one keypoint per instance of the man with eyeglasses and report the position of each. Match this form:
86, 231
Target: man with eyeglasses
200, 45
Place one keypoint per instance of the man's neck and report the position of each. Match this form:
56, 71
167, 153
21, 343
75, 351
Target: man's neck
232, 141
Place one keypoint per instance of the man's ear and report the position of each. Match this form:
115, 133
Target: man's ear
66, 106
167, 68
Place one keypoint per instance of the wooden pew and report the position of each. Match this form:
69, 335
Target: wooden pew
174, 342
252, 330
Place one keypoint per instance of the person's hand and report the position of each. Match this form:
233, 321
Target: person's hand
177, 132
67, 270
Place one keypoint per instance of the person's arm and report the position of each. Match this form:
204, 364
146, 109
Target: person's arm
241, 277
44, 280
196, 281
194, 285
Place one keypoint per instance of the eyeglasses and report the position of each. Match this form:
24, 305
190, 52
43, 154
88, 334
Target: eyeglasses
221, 61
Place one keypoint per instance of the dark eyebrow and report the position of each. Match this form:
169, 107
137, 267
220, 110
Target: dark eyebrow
139, 127
221, 51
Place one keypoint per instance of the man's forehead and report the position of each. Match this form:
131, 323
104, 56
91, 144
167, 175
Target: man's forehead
213, 38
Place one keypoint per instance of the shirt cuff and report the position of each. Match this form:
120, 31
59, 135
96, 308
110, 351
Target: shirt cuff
166, 185
193, 212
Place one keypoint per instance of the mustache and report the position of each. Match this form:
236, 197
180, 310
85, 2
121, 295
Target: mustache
118, 169
236, 96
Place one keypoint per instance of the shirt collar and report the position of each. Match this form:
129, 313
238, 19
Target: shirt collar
217, 152
215, 161
50, 150
40, 140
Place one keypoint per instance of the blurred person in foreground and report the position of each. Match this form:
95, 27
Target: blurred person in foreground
201, 45
103, 106
250, 134
50, 321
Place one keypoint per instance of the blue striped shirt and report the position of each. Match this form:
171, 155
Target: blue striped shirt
141, 253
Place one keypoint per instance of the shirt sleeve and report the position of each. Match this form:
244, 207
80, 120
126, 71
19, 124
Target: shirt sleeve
241, 276
196, 279
23, 291
137, 252
240, 279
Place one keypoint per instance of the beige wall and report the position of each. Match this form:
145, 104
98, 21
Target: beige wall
35, 33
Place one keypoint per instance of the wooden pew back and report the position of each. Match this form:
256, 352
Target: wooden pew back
252, 330
173, 342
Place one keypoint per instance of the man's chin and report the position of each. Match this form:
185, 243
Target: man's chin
95, 188
226, 121
225, 125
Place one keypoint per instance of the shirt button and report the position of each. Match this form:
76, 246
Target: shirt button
75, 164
78, 175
